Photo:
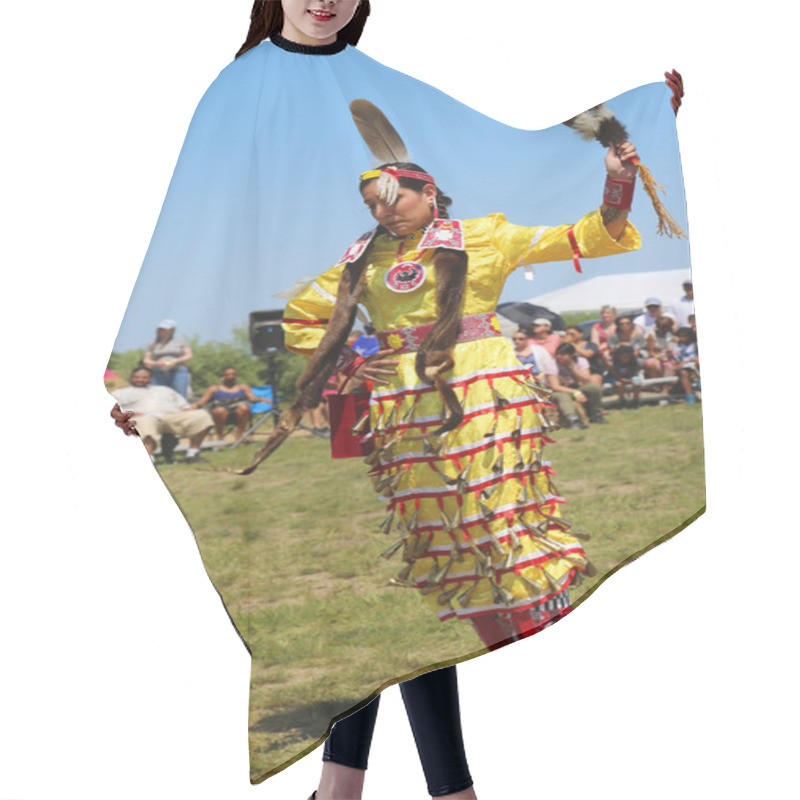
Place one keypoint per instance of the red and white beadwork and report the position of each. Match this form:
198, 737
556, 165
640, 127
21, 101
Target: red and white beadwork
443, 233
410, 338
357, 248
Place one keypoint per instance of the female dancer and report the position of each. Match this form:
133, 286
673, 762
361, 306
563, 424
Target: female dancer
456, 420
458, 459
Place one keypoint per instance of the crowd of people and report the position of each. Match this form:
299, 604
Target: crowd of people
159, 395
654, 351
624, 355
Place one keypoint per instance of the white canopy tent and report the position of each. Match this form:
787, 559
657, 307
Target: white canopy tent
626, 292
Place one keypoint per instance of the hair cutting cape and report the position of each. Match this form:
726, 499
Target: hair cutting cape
482, 527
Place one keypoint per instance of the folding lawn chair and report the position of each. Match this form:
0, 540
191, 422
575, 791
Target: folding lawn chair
261, 411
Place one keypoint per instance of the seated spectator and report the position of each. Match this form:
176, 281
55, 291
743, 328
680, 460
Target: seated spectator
543, 335
570, 379
603, 329
652, 311
589, 350
660, 344
159, 410
683, 308
687, 362
625, 375
626, 333
230, 403
166, 357
532, 355
692, 323
522, 348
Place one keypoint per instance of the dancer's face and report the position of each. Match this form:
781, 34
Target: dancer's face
316, 22
412, 211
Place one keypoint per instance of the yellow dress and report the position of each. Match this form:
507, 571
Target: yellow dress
476, 515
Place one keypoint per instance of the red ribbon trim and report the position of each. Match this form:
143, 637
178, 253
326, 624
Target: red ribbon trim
494, 608
464, 527
480, 448
576, 251
533, 562
467, 417
510, 373
478, 488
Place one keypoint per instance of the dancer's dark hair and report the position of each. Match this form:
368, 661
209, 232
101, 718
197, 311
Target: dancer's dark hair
266, 19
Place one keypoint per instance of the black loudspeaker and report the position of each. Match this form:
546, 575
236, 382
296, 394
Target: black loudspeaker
266, 333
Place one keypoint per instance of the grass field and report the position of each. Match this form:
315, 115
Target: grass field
295, 552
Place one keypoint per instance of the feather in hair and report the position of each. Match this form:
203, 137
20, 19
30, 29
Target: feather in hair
380, 136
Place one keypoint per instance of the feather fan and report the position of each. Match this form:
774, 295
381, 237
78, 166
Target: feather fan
600, 123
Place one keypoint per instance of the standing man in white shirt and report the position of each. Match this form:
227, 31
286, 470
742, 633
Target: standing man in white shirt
682, 309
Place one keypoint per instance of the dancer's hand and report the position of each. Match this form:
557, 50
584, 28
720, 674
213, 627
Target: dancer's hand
675, 83
619, 161
124, 420
377, 366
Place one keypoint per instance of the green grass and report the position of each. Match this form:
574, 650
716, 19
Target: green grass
295, 551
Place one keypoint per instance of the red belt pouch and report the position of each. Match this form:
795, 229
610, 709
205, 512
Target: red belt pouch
344, 411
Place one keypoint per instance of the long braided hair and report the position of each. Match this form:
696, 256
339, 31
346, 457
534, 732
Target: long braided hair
266, 19
435, 356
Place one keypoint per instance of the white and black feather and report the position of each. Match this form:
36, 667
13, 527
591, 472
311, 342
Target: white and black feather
599, 123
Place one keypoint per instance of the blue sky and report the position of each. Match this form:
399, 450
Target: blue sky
265, 191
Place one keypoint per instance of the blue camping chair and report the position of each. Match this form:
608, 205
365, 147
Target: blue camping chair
261, 411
